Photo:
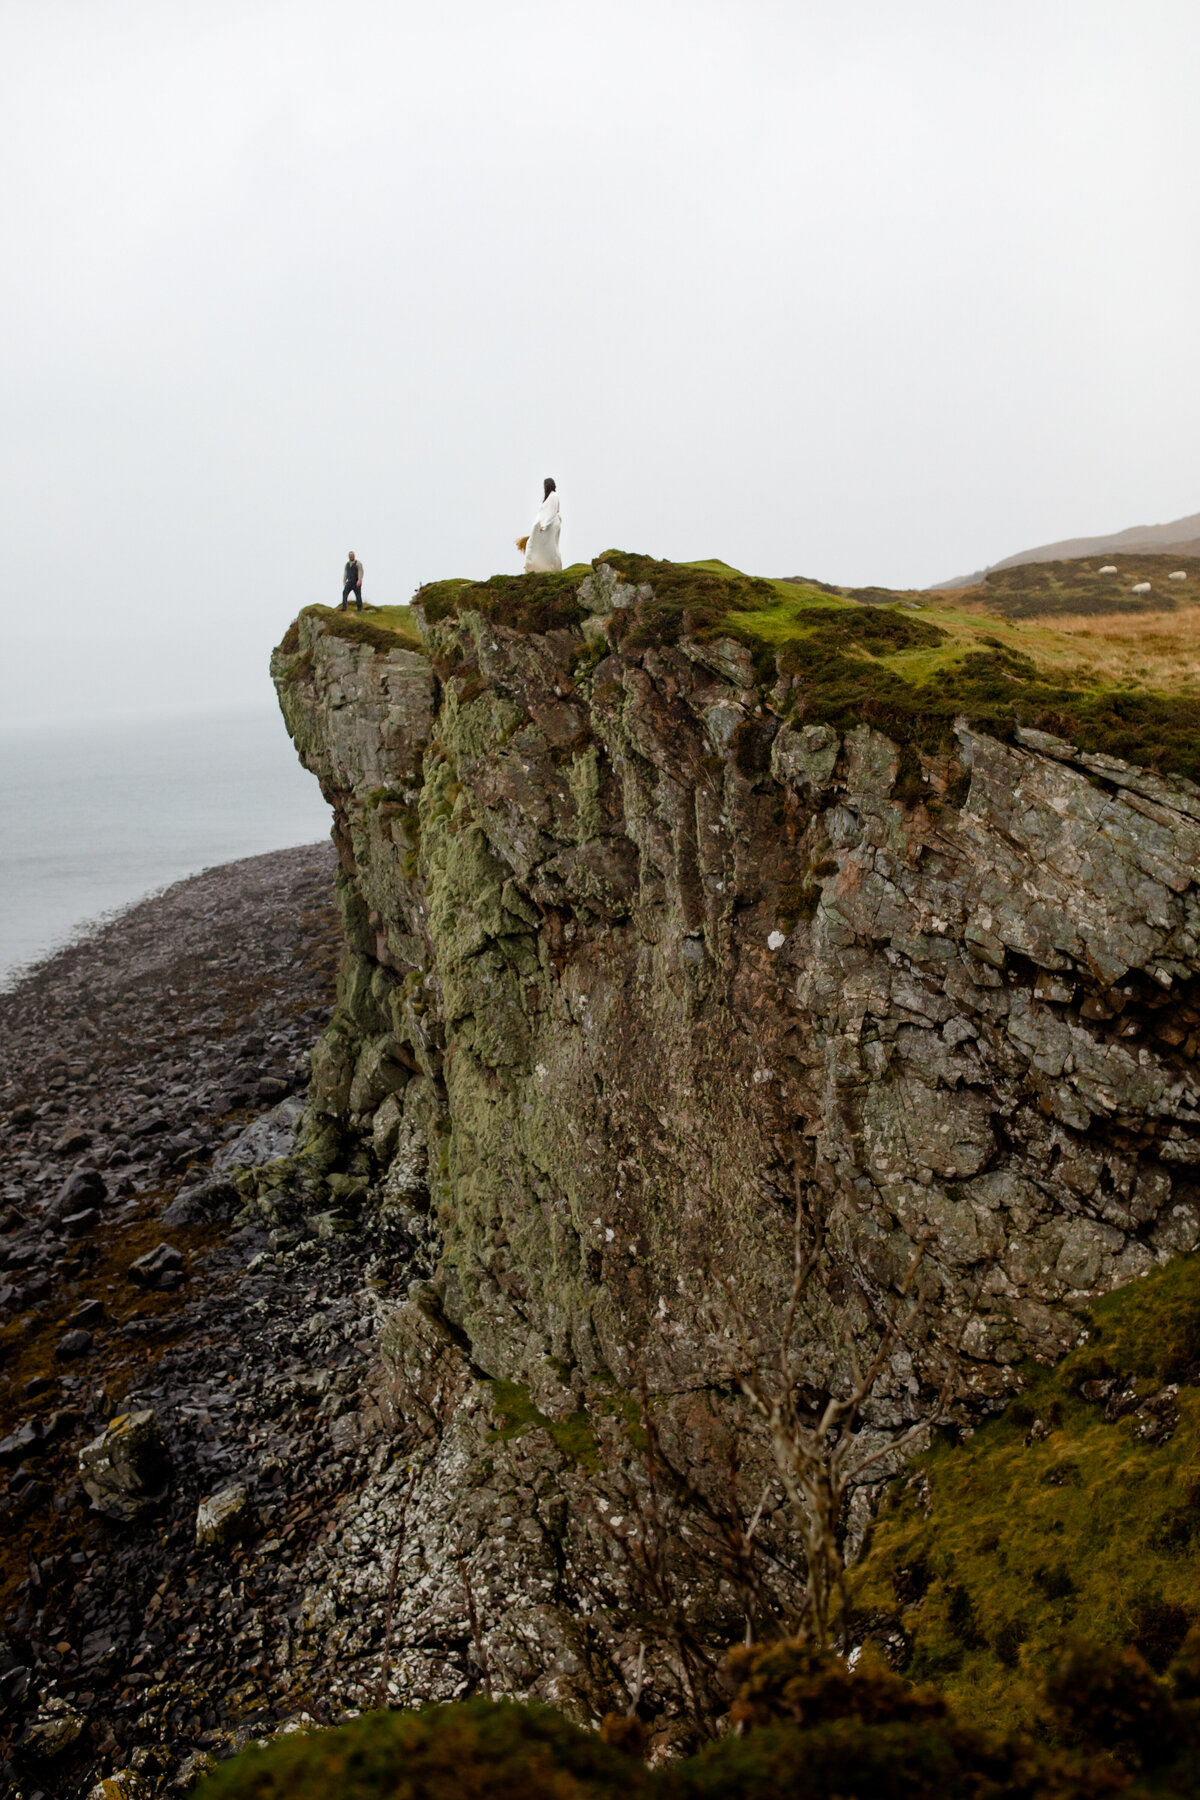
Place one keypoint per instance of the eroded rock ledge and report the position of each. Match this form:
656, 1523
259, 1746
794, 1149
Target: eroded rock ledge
634, 951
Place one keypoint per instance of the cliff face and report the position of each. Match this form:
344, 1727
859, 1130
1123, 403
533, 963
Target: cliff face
636, 954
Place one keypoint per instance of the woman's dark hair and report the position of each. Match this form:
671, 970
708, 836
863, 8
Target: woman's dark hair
550, 485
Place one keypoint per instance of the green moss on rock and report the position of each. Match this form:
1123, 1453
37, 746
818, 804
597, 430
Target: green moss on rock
473, 1751
381, 627
522, 602
1073, 1514
573, 1436
806, 1726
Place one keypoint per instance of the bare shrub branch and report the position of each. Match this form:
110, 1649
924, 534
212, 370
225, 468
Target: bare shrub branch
819, 1459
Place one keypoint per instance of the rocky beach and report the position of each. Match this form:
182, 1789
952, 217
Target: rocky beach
139, 1071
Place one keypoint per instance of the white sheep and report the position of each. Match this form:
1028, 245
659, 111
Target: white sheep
1177, 575
1140, 587
1109, 569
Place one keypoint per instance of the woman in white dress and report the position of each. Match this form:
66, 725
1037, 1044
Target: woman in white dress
541, 546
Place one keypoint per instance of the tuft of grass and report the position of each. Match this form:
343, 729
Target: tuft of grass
1061, 1518
1151, 650
382, 627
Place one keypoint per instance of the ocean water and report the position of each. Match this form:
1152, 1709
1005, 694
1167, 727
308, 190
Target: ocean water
93, 818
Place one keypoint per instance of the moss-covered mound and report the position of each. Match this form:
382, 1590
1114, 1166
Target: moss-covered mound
382, 627
473, 1751
522, 602
1073, 1514
802, 1725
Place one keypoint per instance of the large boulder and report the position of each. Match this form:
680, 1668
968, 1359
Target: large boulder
126, 1469
265, 1140
53, 1731
82, 1189
20, 1443
160, 1267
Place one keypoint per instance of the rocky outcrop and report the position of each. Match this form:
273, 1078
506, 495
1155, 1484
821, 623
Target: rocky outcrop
636, 951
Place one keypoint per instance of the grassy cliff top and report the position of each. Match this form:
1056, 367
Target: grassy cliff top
1057, 646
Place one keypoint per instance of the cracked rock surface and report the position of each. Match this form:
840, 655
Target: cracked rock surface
635, 952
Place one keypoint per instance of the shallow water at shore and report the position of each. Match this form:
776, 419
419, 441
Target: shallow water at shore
93, 818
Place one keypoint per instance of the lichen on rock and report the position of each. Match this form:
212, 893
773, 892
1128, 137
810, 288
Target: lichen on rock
638, 945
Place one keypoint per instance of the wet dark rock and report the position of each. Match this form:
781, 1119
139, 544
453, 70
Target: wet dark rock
80, 1223
61, 1424
33, 1496
19, 1443
53, 1733
37, 1384
82, 1188
149, 1125
184, 1209
157, 1266
152, 1646
73, 1139
14, 1686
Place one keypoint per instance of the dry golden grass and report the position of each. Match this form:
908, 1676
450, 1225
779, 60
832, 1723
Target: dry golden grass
1159, 650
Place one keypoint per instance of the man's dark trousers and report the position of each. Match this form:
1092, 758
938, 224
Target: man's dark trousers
351, 587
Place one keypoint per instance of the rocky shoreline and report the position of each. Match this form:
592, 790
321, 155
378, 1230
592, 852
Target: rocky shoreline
139, 1070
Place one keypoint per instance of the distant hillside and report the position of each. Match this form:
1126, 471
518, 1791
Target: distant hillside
1181, 536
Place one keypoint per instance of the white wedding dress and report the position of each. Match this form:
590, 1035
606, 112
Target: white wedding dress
541, 552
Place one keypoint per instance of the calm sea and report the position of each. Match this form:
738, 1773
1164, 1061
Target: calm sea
92, 818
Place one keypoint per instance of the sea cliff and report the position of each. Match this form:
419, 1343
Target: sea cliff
671, 899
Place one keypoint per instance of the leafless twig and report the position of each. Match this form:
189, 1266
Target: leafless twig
818, 1459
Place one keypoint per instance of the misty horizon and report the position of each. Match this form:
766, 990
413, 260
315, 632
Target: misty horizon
870, 297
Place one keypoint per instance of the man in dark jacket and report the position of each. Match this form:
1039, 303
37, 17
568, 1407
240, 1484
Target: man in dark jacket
352, 582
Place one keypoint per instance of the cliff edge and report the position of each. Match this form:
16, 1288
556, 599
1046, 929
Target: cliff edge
671, 896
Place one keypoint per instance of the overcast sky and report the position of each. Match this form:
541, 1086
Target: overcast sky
876, 292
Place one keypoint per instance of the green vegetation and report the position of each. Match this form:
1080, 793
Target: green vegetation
1076, 586
523, 602
1042, 1570
806, 1725
474, 1751
1073, 1514
1049, 646
382, 627
908, 667
573, 1436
